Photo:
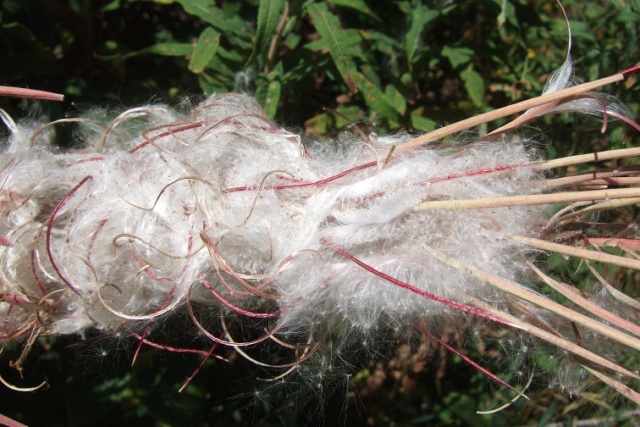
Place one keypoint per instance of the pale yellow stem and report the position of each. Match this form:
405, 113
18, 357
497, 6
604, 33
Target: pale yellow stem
603, 206
572, 294
554, 340
578, 252
532, 199
587, 158
506, 111
539, 300
616, 385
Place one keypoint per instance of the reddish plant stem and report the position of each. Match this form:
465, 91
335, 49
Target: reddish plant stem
167, 347
52, 218
449, 303
303, 184
464, 357
319, 183
19, 92
34, 270
235, 307
148, 327
195, 372
163, 134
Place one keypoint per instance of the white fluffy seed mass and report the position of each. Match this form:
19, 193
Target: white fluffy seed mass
218, 207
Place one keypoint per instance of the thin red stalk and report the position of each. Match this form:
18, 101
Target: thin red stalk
630, 70
196, 125
483, 171
148, 327
464, 357
221, 341
219, 260
626, 120
23, 330
85, 160
163, 134
50, 227
195, 372
146, 268
235, 307
324, 181
35, 272
94, 236
166, 347
303, 184
421, 292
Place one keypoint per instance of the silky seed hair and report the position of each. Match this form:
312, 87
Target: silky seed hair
311, 250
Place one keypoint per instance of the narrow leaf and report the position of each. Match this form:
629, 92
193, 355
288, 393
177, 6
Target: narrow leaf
163, 49
375, 98
458, 56
357, 5
19, 31
395, 98
204, 50
340, 48
474, 84
420, 17
268, 92
269, 13
205, 10
423, 124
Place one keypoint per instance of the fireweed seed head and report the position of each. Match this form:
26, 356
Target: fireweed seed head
299, 257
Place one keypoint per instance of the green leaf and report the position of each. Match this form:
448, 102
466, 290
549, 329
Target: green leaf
323, 123
395, 98
420, 17
162, 49
620, 4
205, 10
268, 91
422, 123
339, 42
349, 38
20, 32
507, 14
375, 98
474, 85
169, 49
357, 5
269, 13
205, 50
458, 55
382, 42
231, 55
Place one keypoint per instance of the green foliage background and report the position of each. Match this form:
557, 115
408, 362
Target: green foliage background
319, 67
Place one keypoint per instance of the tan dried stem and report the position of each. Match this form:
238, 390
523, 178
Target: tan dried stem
550, 98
